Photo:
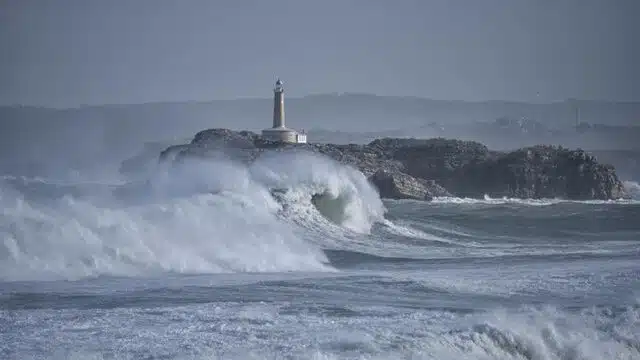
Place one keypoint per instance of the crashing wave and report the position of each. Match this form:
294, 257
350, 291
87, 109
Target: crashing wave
339, 193
198, 217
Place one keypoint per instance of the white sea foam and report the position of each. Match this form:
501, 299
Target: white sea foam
198, 217
343, 194
541, 333
487, 200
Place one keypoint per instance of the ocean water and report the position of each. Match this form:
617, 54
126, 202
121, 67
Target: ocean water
216, 260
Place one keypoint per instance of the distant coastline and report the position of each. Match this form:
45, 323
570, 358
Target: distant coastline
77, 137
338, 95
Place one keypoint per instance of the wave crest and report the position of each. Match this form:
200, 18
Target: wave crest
339, 193
198, 217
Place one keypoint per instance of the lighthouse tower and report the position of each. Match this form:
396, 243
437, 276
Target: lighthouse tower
278, 105
279, 132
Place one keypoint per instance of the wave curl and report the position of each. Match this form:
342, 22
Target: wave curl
197, 217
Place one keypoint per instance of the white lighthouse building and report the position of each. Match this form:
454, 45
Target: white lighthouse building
279, 132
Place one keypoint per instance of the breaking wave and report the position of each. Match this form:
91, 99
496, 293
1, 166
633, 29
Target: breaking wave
311, 185
198, 217
528, 332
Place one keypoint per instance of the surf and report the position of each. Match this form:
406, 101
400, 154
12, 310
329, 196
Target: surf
198, 216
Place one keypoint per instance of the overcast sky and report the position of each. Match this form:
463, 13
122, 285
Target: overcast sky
70, 52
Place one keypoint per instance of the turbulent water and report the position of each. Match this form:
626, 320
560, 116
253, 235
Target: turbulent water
218, 260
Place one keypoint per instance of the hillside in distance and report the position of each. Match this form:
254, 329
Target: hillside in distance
356, 112
35, 138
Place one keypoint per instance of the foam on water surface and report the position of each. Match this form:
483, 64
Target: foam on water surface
297, 257
199, 217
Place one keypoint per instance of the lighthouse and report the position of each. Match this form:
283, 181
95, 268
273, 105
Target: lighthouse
279, 132
278, 105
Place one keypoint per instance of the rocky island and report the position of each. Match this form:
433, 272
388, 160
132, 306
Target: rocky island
407, 168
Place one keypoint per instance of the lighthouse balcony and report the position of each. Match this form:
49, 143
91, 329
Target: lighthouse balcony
281, 134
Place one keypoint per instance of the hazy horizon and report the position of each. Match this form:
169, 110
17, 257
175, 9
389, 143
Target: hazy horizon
301, 97
73, 53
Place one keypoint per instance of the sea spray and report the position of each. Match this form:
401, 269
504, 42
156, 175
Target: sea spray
340, 193
633, 189
200, 216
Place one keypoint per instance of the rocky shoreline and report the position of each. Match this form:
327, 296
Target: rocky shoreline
404, 168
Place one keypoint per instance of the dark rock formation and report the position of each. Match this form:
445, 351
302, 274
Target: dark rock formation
540, 172
398, 185
626, 162
218, 138
427, 168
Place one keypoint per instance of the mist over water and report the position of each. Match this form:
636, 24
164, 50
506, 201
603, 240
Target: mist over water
633, 189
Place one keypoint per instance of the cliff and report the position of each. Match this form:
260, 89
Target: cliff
427, 168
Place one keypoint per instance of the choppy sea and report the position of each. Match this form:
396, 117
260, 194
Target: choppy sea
207, 261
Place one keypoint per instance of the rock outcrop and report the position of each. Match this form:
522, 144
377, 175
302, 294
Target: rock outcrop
427, 168
398, 185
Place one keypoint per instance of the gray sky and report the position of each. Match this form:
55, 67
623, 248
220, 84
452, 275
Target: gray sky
67, 53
